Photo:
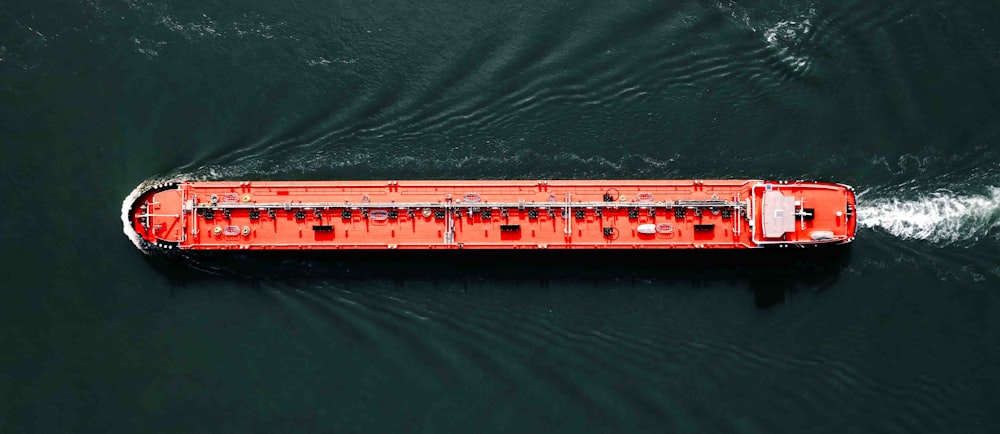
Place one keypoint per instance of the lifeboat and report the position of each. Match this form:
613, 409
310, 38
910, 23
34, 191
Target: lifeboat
429, 215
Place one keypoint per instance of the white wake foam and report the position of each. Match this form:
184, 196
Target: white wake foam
942, 217
126, 223
789, 39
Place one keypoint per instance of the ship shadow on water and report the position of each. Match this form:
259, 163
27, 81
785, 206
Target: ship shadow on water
771, 274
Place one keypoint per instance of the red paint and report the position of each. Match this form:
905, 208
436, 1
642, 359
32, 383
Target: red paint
504, 214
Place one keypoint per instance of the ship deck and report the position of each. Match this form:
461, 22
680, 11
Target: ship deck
610, 214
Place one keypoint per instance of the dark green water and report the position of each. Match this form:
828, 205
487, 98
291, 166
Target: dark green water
898, 98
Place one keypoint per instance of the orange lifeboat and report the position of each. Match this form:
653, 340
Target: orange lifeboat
605, 214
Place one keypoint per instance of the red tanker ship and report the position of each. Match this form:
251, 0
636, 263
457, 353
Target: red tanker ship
497, 214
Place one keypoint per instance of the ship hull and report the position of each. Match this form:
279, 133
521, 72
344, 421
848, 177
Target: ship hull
492, 215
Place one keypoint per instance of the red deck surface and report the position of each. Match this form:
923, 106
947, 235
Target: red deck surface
491, 214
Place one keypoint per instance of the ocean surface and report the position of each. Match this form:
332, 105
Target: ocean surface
900, 333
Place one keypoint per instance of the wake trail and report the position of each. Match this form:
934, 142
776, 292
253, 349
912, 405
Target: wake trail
942, 217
